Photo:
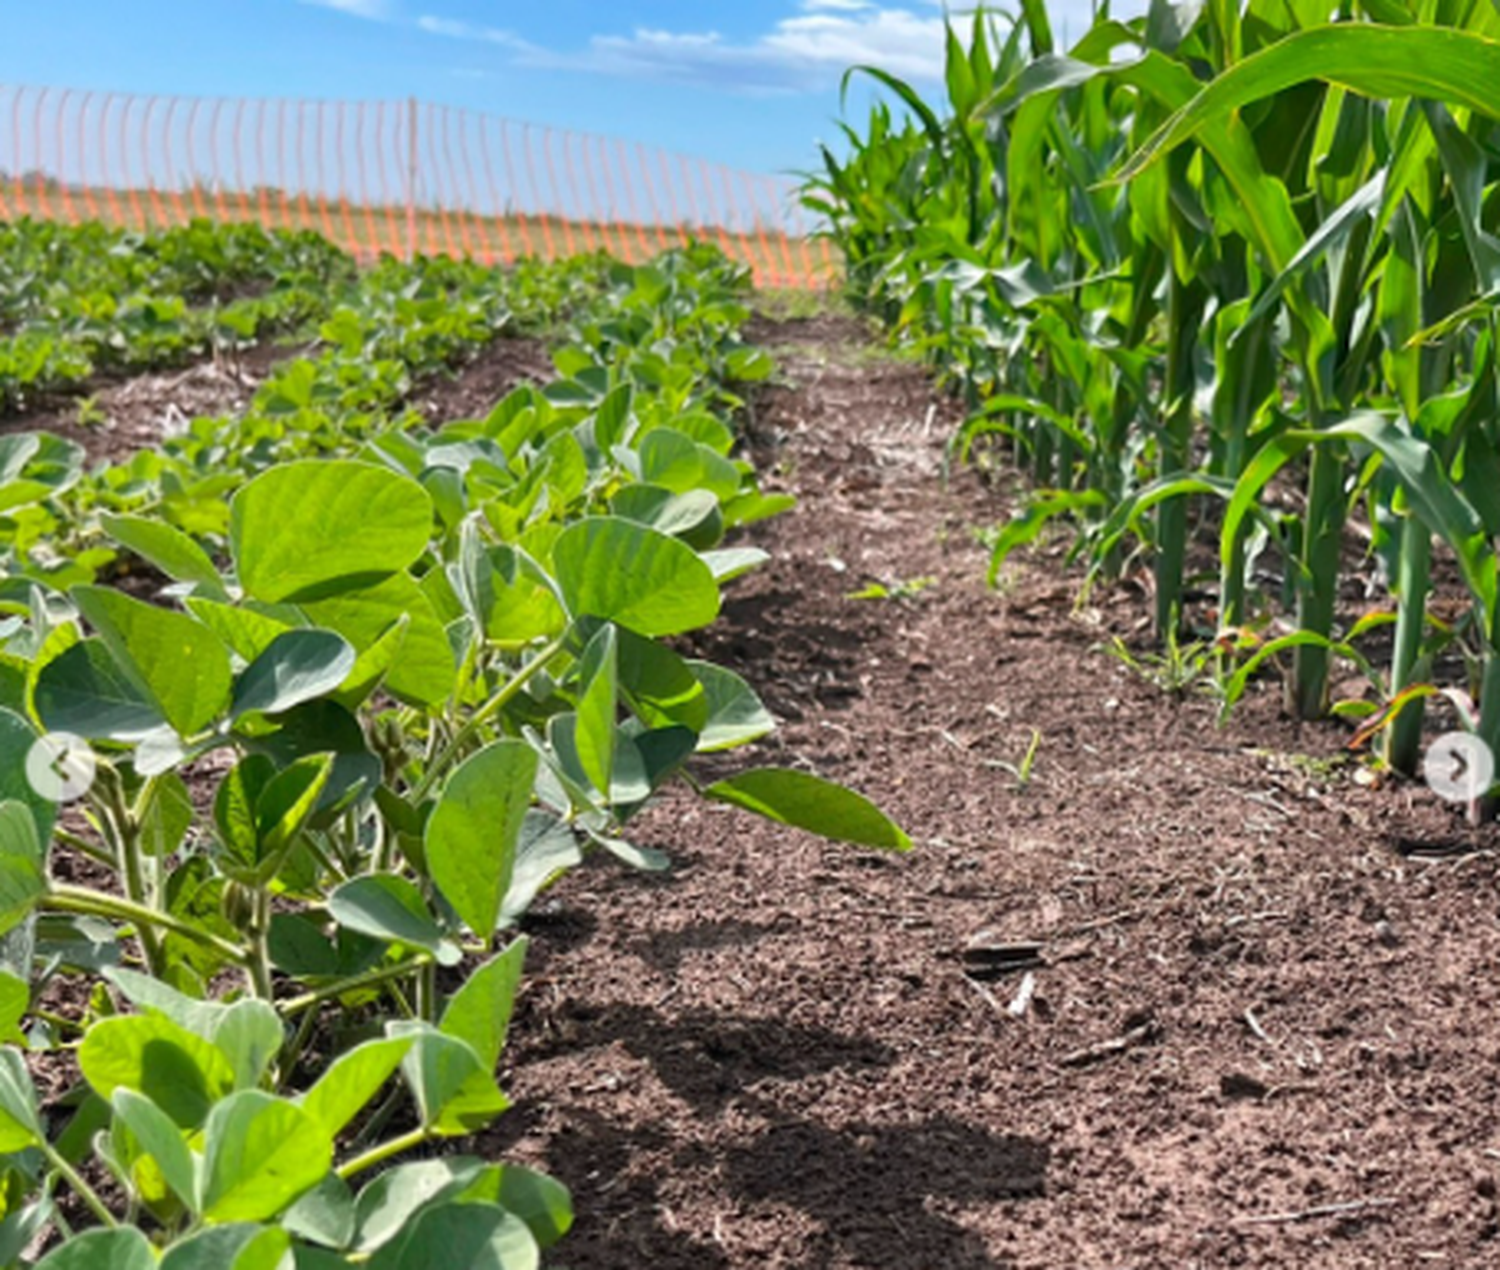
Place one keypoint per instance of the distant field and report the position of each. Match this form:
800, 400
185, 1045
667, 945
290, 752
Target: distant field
779, 260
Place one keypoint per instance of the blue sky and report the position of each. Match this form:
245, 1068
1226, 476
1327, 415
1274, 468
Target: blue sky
749, 83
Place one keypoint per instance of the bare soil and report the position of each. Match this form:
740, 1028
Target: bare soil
474, 390
140, 411
1261, 1028
125, 415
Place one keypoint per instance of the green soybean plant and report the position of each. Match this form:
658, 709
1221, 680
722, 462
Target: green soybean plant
414, 725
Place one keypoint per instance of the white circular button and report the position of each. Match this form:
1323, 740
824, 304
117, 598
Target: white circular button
61, 767
1459, 767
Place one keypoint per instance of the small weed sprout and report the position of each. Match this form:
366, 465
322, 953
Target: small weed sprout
1177, 670
1022, 771
91, 414
901, 589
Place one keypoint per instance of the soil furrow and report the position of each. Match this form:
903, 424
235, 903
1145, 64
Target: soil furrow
1255, 1001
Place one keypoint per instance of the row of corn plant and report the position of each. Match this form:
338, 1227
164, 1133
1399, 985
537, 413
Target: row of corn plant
1225, 271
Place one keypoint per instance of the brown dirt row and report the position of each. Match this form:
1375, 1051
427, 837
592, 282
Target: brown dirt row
1263, 1030
118, 417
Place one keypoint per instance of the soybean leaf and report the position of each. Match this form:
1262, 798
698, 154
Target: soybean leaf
598, 704
161, 1139
735, 714
260, 1154
545, 849
613, 416
22, 882
240, 1246
510, 594
387, 1204
655, 754
298, 666
811, 803
234, 807
287, 801
678, 463
15, 998
479, 1012
643, 760
373, 666
181, 1073
246, 631
425, 671
168, 548
389, 907
20, 1126
177, 663
455, 1093
664, 511
729, 563
470, 840
194, 894
646, 859
119, 1248
167, 815
658, 684
325, 1215
161, 750
319, 526
540, 1201
146, 992
347, 1087
17, 736
475, 1235
22, 1227
627, 573
250, 1032
323, 727
748, 509
299, 947
84, 691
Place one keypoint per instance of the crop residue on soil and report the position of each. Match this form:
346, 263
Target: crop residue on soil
1263, 1032
121, 416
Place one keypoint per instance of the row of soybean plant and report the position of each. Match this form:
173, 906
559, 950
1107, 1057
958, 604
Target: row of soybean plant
364, 721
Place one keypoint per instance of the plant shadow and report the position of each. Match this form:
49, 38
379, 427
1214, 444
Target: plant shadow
665, 950
874, 1192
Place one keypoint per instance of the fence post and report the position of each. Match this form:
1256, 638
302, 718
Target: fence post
411, 178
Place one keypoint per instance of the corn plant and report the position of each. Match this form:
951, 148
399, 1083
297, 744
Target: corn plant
1213, 248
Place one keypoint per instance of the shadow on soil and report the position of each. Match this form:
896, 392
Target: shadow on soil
873, 1188
872, 1193
665, 950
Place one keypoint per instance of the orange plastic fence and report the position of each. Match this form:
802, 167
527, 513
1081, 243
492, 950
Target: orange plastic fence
397, 177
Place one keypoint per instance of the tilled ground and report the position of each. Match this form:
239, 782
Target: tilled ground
119, 416
1263, 1031
1263, 1027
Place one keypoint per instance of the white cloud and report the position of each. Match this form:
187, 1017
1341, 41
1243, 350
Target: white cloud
893, 39
803, 53
457, 30
808, 51
373, 10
